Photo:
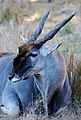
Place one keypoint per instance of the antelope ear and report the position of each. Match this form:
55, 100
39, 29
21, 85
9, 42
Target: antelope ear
48, 50
53, 48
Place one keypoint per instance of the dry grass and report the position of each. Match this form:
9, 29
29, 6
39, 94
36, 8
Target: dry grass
69, 113
74, 71
23, 16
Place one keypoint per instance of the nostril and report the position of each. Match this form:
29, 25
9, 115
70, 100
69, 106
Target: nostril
11, 76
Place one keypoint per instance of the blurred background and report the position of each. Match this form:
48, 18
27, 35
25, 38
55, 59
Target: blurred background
23, 16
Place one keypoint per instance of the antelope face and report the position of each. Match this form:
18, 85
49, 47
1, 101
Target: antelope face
30, 62
24, 64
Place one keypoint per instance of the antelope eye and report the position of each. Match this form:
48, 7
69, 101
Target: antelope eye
34, 55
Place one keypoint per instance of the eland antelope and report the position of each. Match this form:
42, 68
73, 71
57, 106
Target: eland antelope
46, 65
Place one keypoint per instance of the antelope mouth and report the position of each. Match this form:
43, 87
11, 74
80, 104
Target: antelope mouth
15, 80
25, 76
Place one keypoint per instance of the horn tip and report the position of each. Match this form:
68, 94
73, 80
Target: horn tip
73, 14
60, 44
48, 11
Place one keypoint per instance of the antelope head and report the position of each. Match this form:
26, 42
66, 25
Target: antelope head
30, 59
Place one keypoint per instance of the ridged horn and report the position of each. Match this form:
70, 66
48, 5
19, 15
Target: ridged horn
51, 34
39, 28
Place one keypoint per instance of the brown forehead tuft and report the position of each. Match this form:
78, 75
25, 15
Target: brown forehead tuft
26, 46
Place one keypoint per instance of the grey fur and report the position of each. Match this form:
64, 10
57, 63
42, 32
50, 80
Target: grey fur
12, 94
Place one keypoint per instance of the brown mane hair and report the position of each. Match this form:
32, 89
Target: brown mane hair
26, 46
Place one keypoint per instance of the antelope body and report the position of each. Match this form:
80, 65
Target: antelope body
15, 98
37, 63
46, 64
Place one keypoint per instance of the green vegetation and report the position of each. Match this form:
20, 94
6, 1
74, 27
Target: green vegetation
67, 29
5, 16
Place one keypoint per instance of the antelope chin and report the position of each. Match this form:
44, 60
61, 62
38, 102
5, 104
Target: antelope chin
14, 80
